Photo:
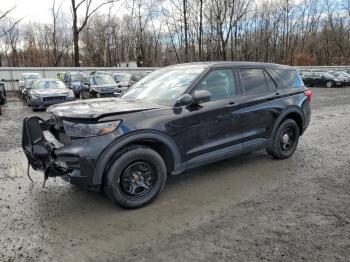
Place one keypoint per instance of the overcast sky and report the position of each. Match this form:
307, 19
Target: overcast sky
39, 10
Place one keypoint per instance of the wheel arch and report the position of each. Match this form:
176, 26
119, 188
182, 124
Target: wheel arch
159, 142
294, 113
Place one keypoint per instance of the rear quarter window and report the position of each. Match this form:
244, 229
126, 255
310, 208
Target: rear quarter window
254, 81
288, 78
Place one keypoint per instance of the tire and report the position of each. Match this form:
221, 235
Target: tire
285, 141
330, 84
134, 169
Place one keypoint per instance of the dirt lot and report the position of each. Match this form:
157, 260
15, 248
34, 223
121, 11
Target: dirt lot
249, 208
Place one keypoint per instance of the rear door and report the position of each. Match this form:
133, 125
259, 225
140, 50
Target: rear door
256, 105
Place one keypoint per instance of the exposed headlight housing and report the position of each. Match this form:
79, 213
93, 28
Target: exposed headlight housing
88, 130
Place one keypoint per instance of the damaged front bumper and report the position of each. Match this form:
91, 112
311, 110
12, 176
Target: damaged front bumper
73, 160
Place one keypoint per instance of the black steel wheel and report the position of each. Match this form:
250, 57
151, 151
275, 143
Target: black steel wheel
136, 176
285, 141
138, 179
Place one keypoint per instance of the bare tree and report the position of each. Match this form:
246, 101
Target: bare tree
89, 11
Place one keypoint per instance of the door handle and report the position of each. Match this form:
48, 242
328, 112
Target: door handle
230, 104
277, 95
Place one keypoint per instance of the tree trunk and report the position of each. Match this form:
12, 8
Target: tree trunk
186, 29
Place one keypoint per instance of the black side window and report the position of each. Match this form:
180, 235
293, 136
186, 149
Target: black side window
253, 81
220, 83
271, 85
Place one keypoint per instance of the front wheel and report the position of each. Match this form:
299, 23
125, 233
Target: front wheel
136, 177
285, 141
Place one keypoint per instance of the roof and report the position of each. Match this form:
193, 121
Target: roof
231, 64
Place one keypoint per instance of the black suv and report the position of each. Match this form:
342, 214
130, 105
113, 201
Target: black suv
175, 119
74, 81
96, 86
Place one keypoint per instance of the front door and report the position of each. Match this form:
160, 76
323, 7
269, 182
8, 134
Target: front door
211, 125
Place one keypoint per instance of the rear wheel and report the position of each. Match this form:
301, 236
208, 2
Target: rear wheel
136, 177
285, 141
330, 84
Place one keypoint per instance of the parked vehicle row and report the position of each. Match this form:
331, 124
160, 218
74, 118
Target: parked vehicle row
325, 78
40, 93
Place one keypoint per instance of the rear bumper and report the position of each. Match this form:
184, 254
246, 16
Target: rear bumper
75, 161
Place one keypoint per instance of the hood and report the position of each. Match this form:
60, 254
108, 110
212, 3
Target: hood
105, 87
97, 108
50, 92
123, 83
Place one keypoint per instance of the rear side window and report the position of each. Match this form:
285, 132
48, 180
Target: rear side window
253, 81
291, 77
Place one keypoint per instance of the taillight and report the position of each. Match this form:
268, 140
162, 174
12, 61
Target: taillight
308, 93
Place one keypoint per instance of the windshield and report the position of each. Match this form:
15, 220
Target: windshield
77, 77
49, 84
336, 74
344, 74
101, 80
328, 75
122, 77
164, 86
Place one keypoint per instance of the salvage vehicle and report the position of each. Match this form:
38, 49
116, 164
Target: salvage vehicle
74, 81
96, 86
322, 79
123, 81
46, 92
25, 77
175, 119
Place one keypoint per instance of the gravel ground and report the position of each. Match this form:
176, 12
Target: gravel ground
248, 208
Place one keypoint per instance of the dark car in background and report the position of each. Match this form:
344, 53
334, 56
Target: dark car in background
341, 75
74, 81
175, 119
46, 92
96, 86
135, 77
2, 94
123, 81
322, 79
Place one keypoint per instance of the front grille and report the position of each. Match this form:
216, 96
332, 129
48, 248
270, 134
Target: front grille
106, 94
54, 98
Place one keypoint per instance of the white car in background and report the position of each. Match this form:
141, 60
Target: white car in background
23, 81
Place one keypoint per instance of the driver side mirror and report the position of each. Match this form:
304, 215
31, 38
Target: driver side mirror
198, 97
